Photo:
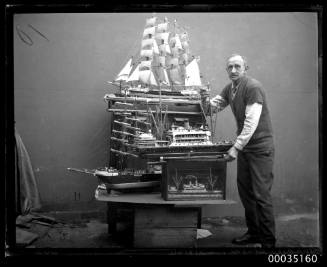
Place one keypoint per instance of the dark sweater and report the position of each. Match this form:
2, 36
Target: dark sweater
250, 91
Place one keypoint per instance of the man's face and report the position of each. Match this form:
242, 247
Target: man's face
235, 68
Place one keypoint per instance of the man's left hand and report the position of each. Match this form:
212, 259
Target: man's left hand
231, 154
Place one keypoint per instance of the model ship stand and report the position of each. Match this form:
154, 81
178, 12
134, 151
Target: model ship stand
159, 116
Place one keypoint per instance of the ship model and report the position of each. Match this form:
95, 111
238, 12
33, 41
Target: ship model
125, 180
206, 182
159, 106
159, 110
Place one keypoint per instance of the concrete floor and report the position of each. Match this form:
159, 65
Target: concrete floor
293, 230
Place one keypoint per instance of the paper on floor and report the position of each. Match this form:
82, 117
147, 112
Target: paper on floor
202, 233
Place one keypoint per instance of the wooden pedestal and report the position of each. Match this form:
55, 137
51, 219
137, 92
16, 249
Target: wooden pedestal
165, 227
148, 221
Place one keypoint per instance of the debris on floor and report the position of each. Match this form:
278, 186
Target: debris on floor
38, 225
24, 238
292, 230
202, 233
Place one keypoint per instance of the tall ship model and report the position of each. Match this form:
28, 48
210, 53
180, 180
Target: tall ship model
160, 94
164, 64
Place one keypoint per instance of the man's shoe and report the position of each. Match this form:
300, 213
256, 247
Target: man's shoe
245, 239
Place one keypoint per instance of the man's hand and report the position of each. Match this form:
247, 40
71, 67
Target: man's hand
218, 103
231, 154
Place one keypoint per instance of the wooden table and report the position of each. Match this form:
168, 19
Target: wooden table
154, 222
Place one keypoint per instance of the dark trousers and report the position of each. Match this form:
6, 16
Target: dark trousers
254, 181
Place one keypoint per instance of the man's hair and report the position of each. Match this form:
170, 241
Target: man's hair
243, 58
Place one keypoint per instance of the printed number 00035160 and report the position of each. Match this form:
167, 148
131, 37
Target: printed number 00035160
292, 258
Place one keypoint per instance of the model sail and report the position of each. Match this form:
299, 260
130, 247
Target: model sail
124, 73
148, 50
147, 77
193, 74
135, 76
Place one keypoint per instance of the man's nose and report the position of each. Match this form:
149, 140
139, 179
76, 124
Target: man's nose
234, 69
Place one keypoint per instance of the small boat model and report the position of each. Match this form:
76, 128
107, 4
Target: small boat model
113, 176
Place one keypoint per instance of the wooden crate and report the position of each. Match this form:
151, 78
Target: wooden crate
193, 179
165, 227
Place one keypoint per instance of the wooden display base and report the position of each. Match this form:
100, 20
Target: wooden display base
148, 221
165, 227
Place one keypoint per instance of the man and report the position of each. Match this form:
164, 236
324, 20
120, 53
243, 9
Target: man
254, 150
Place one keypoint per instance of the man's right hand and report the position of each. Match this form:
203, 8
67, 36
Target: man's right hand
231, 154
